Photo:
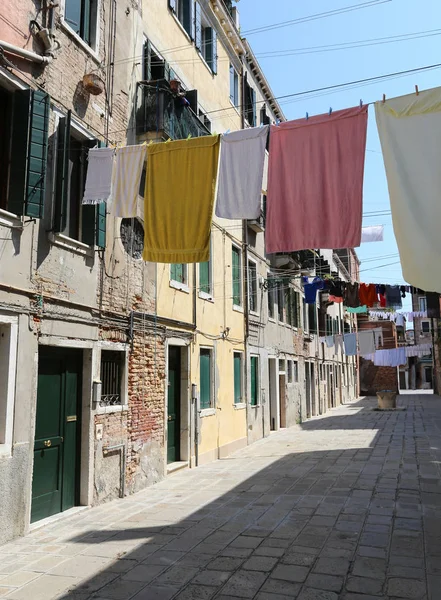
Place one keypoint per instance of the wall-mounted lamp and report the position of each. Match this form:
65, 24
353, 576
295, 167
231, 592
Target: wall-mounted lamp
96, 391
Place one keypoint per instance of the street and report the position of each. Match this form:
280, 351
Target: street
347, 505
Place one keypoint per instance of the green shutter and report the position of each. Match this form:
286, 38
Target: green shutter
62, 173
198, 26
211, 48
147, 68
254, 380
214, 51
204, 277
177, 272
236, 273
86, 28
20, 133
100, 229
237, 378
205, 379
188, 21
94, 221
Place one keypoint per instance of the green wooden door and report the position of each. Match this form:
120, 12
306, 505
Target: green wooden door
174, 404
56, 447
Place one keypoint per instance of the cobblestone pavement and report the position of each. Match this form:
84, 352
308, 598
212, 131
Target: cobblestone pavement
346, 506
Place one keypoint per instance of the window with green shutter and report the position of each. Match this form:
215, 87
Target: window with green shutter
296, 309
204, 278
205, 386
178, 272
281, 302
238, 378
28, 153
237, 276
86, 223
252, 286
271, 300
81, 16
254, 367
312, 317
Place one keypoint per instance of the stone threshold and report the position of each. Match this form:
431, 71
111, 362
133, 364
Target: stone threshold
71, 512
176, 466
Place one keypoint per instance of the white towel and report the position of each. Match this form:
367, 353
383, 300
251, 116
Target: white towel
99, 175
410, 135
127, 173
366, 342
241, 173
374, 233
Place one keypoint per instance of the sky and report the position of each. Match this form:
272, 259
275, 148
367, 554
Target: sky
311, 70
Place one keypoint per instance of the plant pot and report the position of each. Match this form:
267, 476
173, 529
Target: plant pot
93, 84
387, 400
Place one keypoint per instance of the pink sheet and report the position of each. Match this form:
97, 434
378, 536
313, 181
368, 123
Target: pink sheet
315, 182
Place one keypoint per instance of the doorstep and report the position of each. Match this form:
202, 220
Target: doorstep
176, 466
71, 512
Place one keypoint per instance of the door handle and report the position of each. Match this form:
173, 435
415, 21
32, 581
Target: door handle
170, 417
48, 443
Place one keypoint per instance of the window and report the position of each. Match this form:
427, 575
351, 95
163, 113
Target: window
112, 369
24, 122
250, 104
154, 66
206, 383
205, 38
305, 316
425, 327
281, 302
237, 276
234, 86
282, 365
81, 16
264, 118
252, 286
254, 364
295, 364
422, 303
178, 273
8, 365
205, 277
205, 120
312, 318
289, 363
86, 223
238, 383
328, 325
183, 9
271, 299
292, 307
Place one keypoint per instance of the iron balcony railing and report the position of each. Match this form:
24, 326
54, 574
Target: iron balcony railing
169, 115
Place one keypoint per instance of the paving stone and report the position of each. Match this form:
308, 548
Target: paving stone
156, 592
406, 588
260, 563
143, 573
177, 574
324, 582
314, 594
244, 584
293, 558
370, 567
371, 552
332, 566
290, 573
197, 592
267, 551
225, 563
18, 578
278, 586
209, 577
364, 585
44, 587
268, 596
243, 541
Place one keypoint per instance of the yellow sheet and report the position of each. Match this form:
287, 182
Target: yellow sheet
179, 198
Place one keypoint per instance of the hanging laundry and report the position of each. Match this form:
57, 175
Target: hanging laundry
315, 182
419, 350
372, 234
432, 300
367, 294
350, 341
403, 291
330, 341
410, 135
338, 343
242, 158
360, 310
99, 175
127, 173
335, 290
399, 320
390, 358
179, 197
310, 289
393, 296
352, 296
378, 336
366, 342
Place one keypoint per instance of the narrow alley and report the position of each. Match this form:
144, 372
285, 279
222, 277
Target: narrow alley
347, 505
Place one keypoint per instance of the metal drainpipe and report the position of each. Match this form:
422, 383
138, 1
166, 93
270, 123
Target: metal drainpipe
32, 56
122, 447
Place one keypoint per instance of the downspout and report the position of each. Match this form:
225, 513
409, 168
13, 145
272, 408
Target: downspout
27, 54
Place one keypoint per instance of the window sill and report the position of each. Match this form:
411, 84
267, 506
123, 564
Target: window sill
240, 406
254, 313
80, 41
182, 28
58, 239
105, 410
10, 220
5, 451
207, 412
177, 285
205, 296
272, 320
255, 405
238, 309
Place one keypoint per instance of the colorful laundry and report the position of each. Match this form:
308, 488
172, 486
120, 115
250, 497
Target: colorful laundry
390, 358
350, 341
368, 294
310, 289
330, 341
339, 343
99, 175
372, 234
419, 350
410, 135
352, 296
393, 296
179, 198
242, 160
315, 182
366, 342
360, 310
127, 173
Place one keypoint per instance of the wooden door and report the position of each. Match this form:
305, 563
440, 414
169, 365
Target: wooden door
174, 404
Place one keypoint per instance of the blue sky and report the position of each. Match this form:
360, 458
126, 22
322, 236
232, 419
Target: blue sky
290, 74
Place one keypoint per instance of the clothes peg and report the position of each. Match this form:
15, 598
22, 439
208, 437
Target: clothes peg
307, 116
227, 132
277, 122
384, 98
330, 110
361, 103
416, 90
